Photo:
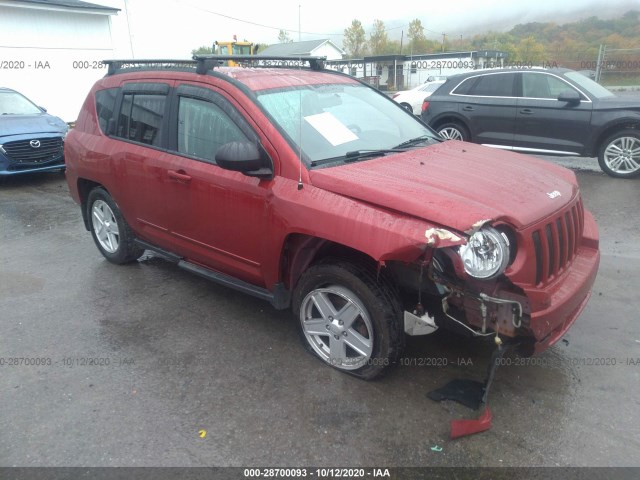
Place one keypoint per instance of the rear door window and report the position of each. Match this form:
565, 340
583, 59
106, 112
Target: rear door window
494, 85
141, 118
142, 113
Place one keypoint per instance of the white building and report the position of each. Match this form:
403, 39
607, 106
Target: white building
51, 51
315, 48
402, 72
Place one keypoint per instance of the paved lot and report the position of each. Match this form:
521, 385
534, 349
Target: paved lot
173, 355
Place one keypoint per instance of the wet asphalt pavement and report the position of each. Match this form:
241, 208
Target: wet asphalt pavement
127, 366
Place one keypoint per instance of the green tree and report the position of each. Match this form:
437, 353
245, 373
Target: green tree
393, 47
283, 37
531, 51
203, 50
378, 39
418, 42
354, 41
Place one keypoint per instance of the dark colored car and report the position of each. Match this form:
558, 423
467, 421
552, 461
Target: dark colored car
311, 190
31, 140
554, 112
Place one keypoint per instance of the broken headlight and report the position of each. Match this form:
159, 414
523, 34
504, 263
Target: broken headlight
486, 253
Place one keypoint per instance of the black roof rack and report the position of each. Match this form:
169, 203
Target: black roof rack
114, 65
204, 63
207, 62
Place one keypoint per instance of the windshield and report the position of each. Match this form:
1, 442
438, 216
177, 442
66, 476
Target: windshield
593, 89
327, 121
12, 103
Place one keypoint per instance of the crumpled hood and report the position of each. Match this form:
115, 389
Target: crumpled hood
455, 184
30, 124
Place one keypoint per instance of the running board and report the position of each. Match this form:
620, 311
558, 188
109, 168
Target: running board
227, 280
172, 257
280, 298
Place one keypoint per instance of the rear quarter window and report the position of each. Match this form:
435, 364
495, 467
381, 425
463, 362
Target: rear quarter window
105, 104
464, 87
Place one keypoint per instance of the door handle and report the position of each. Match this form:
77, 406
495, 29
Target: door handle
468, 108
179, 175
526, 111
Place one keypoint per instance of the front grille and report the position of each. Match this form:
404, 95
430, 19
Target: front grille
22, 151
556, 242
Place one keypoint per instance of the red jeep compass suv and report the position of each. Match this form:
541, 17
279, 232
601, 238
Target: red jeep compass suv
309, 189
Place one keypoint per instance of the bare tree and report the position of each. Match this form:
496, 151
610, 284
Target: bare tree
283, 37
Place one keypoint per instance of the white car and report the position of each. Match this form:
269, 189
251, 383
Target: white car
412, 99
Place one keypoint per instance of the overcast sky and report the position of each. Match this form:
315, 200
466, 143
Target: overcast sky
172, 28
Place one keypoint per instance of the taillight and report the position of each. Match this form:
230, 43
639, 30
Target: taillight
395, 95
425, 105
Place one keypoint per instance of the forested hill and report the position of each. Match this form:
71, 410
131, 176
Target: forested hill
539, 41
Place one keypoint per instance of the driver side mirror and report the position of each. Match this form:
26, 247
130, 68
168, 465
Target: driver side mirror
245, 157
570, 96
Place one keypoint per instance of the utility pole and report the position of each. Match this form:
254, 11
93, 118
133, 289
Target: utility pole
298, 23
444, 35
126, 11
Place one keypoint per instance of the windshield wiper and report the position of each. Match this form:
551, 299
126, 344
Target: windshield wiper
417, 140
360, 154
355, 155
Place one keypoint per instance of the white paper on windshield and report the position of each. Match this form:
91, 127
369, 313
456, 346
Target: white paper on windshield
331, 128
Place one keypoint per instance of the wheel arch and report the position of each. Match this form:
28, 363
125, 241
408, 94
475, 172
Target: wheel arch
301, 251
84, 188
451, 118
627, 124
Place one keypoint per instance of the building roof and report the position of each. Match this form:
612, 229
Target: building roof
68, 4
297, 48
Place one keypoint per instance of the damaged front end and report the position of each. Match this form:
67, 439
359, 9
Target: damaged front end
527, 285
461, 285
523, 287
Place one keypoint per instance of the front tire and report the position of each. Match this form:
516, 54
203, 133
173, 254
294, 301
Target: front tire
349, 317
454, 131
619, 154
109, 230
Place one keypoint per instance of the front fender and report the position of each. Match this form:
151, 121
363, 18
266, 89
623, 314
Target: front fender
379, 233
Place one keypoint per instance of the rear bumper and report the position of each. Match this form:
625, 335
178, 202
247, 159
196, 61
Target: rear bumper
564, 299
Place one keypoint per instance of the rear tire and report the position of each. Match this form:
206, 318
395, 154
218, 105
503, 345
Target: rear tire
454, 131
349, 317
109, 230
407, 107
619, 154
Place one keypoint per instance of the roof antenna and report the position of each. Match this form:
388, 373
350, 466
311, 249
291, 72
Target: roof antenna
300, 116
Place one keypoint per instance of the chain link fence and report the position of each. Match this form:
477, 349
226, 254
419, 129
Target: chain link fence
608, 66
618, 66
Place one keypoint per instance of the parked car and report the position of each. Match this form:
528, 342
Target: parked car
31, 140
555, 112
309, 189
412, 99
